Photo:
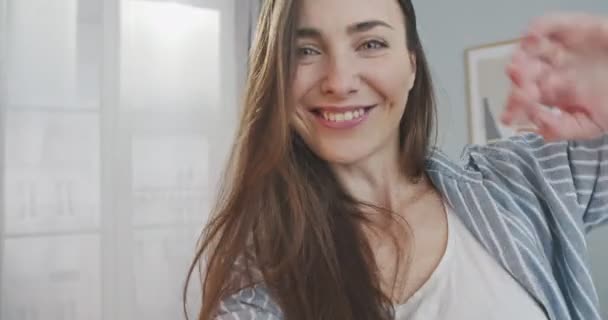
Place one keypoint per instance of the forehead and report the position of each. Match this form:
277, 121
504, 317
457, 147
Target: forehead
337, 14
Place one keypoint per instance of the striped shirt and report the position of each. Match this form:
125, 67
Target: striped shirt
529, 203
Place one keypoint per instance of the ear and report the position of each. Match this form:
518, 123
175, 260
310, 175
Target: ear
412, 58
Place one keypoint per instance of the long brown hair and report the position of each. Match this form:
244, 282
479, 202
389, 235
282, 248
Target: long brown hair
282, 219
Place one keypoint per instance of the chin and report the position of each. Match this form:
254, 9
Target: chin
342, 155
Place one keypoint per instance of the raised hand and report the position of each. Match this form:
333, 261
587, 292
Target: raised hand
562, 61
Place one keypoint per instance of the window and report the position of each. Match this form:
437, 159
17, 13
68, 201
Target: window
116, 117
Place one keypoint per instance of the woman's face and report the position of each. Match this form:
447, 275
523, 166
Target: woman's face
353, 76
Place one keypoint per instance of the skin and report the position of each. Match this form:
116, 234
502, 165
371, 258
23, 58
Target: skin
562, 62
351, 54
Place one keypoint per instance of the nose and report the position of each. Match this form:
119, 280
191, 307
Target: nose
341, 78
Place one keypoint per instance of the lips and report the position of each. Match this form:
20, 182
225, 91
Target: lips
342, 117
338, 114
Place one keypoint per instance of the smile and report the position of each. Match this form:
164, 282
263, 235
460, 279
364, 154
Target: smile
342, 117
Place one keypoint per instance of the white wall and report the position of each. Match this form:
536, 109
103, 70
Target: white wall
447, 28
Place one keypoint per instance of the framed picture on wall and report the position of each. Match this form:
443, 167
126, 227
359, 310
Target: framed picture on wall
487, 88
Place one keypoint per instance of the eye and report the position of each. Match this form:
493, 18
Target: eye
307, 52
373, 45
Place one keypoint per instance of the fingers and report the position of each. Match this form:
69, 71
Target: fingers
525, 73
517, 106
552, 124
550, 89
547, 123
570, 29
559, 25
558, 89
520, 106
555, 126
550, 52
514, 68
541, 70
552, 67
537, 119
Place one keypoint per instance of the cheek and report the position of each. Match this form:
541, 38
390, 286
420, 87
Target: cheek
402, 82
303, 82
394, 86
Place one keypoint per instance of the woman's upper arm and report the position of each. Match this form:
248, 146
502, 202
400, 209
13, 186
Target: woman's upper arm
559, 172
589, 165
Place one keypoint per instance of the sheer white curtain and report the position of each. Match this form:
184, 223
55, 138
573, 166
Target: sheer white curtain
116, 118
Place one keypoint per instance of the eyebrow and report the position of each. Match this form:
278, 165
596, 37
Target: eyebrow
354, 28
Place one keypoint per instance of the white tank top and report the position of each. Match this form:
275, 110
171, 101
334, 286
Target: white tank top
469, 284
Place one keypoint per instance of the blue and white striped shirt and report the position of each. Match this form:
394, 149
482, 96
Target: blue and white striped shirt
530, 204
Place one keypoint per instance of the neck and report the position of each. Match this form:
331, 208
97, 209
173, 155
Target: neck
379, 180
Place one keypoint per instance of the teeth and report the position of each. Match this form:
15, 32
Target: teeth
343, 116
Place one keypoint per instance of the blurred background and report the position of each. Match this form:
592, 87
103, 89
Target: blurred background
116, 117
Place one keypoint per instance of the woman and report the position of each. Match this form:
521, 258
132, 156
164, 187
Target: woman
335, 205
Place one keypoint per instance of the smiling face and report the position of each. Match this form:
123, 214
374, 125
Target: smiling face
353, 76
